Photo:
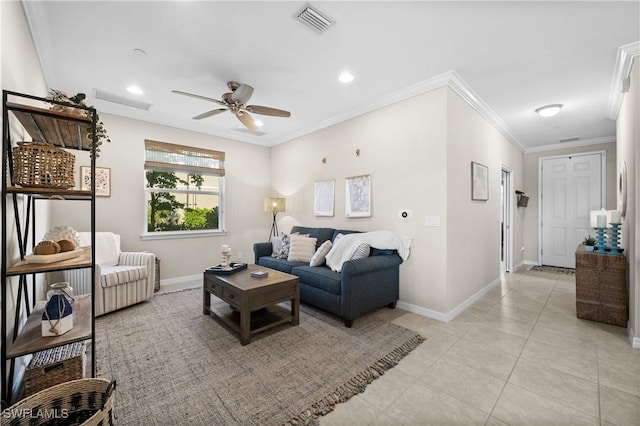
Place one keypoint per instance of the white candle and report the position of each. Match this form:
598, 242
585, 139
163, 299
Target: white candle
602, 221
616, 216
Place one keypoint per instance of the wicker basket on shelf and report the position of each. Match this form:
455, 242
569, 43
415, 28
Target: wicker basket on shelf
41, 165
79, 402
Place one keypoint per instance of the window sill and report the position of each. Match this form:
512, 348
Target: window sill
169, 235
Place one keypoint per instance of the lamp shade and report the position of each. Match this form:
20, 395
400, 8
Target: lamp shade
274, 204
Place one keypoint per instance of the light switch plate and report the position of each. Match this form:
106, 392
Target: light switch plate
433, 221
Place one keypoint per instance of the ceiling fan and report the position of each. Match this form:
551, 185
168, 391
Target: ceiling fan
236, 102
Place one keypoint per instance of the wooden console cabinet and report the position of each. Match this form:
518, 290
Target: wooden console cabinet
601, 287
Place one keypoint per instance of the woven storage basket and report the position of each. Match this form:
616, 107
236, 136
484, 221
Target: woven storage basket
54, 366
79, 402
41, 165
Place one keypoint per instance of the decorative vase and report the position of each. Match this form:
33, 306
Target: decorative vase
62, 288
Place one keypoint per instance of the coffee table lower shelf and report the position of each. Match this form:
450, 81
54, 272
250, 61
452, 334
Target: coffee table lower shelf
261, 320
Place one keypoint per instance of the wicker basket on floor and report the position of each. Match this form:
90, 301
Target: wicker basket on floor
79, 402
41, 165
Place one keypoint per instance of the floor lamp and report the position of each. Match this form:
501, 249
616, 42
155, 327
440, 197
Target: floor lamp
274, 205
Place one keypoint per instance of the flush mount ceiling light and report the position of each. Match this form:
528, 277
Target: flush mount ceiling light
135, 90
345, 77
549, 110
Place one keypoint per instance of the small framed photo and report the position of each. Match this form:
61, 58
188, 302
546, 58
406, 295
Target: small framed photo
479, 182
103, 180
358, 196
323, 197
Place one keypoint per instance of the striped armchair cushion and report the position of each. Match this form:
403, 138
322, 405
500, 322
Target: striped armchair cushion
114, 275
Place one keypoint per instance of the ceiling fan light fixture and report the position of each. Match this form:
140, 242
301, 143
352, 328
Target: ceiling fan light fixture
258, 123
549, 110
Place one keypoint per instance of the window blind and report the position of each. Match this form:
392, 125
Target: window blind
168, 157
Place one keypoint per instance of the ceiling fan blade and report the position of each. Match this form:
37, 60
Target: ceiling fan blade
268, 111
242, 93
198, 97
246, 119
209, 113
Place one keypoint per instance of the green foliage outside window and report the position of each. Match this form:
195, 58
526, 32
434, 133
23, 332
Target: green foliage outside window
166, 210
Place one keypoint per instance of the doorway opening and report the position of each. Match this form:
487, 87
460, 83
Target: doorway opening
506, 218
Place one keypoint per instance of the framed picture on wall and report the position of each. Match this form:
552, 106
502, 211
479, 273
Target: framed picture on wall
479, 182
323, 197
358, 196
103, 180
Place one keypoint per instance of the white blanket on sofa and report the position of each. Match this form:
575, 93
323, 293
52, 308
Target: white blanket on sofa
346, 245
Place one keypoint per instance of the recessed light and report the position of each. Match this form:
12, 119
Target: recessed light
139, 52
549, 110
346, 77
136, 90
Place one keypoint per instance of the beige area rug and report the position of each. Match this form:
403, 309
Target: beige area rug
176, 366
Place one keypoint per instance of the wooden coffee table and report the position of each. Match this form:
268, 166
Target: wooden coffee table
252, 302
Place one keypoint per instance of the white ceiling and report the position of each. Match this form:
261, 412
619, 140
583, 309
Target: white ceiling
511, 56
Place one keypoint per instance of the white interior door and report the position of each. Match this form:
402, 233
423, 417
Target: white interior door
572, 186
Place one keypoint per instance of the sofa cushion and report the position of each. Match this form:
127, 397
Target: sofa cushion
320, 277
116, 275
276, 245
337, 232
301, 248
319, 256
321, 234
282, 265
361, 252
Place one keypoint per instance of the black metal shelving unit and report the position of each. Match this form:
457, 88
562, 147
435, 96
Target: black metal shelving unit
67, 130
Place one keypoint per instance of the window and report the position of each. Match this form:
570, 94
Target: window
184, 190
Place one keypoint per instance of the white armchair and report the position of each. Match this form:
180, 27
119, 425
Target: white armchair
122, 278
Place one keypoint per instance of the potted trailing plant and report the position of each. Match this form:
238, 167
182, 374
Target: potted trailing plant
78, 100
589, 243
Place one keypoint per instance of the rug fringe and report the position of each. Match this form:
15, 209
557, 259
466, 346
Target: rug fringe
355, 385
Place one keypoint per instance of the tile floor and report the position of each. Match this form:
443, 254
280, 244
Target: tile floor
518, 356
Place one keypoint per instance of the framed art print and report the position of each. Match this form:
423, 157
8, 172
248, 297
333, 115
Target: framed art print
358, 196
103, 180
479, 182
323, 197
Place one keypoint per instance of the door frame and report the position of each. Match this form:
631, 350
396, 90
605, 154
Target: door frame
603, 191
508, 218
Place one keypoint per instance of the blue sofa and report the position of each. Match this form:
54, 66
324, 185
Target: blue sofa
363, 285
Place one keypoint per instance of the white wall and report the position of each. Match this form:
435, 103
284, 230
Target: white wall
473, 232
628, 148
418, 154
531, 176
246, 183
20, 72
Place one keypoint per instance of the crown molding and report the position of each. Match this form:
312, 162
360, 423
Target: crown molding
468, 95
621, 72
576, 144
449, 78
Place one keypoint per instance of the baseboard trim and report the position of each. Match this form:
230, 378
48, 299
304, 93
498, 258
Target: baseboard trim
439, 316
633, 340
174, 283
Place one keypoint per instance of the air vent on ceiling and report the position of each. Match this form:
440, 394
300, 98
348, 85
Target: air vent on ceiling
314, 19
577, 138
117, 99
247, 131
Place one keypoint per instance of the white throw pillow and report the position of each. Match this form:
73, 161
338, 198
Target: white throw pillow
301, 248
318, 258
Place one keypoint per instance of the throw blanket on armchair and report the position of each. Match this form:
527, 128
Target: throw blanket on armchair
346, 245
